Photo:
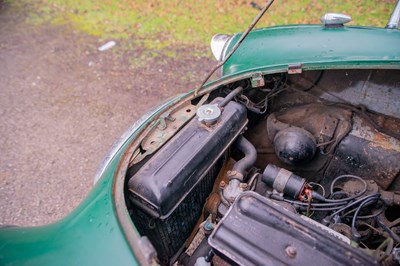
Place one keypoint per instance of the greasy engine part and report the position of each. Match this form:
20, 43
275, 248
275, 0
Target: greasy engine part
345, 141
239, 169
327, 124
352, 187
351, 202
257, 231
283, 181
330, 200
315, 126
368, 153
171, 188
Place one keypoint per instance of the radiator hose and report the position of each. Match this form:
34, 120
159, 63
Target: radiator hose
250, 156
236, 175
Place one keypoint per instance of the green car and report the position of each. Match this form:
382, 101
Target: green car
290, 157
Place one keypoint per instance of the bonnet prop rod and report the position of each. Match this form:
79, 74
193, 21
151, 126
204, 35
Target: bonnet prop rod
251, 26
393, 22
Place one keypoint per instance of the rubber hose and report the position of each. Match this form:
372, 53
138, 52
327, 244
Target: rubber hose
250, 155
230, 96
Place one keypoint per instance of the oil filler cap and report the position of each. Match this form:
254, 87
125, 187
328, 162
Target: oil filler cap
208, 113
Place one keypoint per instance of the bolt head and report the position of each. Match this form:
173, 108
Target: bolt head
243, 185
291, 252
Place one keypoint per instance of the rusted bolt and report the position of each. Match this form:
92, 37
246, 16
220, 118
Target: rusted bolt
222, 184
291, 252
244, 186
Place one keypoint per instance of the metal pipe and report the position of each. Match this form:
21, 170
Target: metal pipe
393, 22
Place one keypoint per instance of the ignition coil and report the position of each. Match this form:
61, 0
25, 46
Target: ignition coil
284, 181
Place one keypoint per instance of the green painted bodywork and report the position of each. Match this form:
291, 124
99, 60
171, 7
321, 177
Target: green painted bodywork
313, 46
92, 234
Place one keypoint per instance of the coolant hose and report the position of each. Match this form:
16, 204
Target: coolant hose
230, 96
250, 156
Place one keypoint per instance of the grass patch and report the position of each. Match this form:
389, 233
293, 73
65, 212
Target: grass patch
167, 23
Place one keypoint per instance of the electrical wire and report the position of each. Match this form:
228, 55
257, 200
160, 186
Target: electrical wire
252, 180
315, 83
354, 203
334, 181
337, 205
383, 208
388, 230
262, 106
336, 193
354, 232
300, 203
318, 185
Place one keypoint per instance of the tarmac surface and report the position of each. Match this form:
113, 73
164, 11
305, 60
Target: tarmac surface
62, 105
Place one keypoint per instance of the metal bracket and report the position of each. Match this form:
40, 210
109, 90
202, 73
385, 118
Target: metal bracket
257, 80
161, 131
295, 68
163, 123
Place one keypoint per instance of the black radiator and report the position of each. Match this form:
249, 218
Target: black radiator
169, 235
171, 188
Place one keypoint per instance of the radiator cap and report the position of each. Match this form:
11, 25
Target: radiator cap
208, 113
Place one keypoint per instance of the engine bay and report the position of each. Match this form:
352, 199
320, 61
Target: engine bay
275, 170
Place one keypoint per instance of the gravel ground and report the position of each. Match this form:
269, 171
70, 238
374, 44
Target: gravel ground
63, 103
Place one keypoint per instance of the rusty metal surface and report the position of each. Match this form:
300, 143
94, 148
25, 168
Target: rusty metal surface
212, 204
367, 153
163, 129
312, 117
218, 261
323, 121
